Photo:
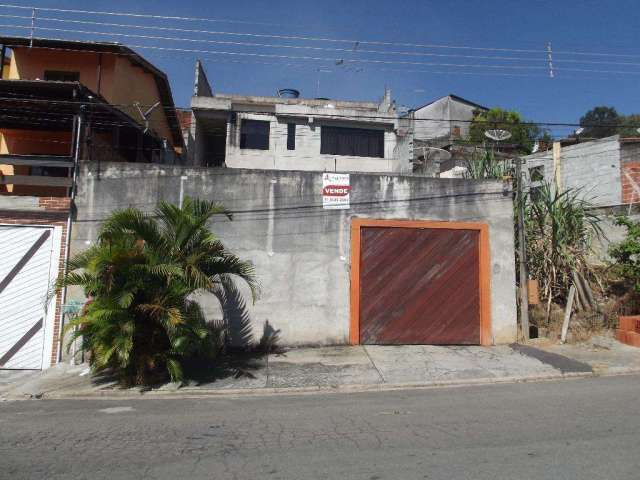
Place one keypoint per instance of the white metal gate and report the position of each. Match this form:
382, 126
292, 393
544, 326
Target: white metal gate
26, 270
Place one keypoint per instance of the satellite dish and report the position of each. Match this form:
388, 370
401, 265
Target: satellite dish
498, 135
638, 130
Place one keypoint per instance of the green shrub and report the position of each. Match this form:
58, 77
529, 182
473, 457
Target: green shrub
141, 320
626, 253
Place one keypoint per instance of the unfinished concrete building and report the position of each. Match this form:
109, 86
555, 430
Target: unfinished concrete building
287, 132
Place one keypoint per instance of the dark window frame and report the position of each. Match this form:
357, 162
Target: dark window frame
254, 134
291, 136
352, 142
61, 76
536, 174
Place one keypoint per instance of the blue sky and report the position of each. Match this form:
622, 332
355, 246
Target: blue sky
608, 29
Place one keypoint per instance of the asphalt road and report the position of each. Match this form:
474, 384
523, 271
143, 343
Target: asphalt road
571, 429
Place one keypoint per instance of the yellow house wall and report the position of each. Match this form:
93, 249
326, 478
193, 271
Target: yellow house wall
143, 90
122, 83
28, 142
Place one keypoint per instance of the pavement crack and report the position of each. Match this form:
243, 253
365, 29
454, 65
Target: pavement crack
374, 364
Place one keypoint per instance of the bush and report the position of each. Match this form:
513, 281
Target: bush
140, 278
627, 253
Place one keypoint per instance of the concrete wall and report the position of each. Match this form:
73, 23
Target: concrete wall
592, 166
301, 251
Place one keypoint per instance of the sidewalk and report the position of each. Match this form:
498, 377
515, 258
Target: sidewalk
348, 368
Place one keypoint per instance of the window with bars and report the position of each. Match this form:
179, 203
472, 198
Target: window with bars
254, 134
357, 142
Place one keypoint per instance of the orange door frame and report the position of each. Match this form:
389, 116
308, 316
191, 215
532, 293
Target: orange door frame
484, 268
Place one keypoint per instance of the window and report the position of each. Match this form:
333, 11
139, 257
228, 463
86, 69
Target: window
61, 76
536, 174
535, 193
49, 171
254, 134
291, 136
355, 142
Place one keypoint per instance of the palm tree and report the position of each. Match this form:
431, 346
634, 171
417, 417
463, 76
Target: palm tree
141, 278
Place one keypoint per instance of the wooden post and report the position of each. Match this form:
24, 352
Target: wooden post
557, 168
523, 277
567, 314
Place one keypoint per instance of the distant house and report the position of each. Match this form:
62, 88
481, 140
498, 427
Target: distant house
439, 125
47, 84
288, 132
447, 118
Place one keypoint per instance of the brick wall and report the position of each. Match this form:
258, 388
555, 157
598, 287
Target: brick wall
52, 211
630, 171
630, 179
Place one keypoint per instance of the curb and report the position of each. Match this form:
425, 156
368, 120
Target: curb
190, 392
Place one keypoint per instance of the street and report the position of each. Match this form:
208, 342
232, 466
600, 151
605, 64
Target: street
587, 429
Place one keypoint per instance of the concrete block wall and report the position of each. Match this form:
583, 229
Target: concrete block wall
300, 250
593, 167
306, 155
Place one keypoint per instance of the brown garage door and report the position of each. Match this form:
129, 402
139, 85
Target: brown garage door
419, 286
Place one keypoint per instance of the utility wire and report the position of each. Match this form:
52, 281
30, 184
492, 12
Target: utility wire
300, 37
309, 47
136, 15
271, 55
386, 118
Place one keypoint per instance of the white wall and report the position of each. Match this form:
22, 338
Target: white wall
306, 155
593, 167
428, 125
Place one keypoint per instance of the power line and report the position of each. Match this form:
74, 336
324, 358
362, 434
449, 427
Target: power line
290, 37
253, 44
137, 15
280, 56
330, 60
309, 47
344, 117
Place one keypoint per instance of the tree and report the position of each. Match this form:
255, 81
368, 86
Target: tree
142, 319
600, 122
523, 134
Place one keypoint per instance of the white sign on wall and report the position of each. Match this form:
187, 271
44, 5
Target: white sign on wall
335, 191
